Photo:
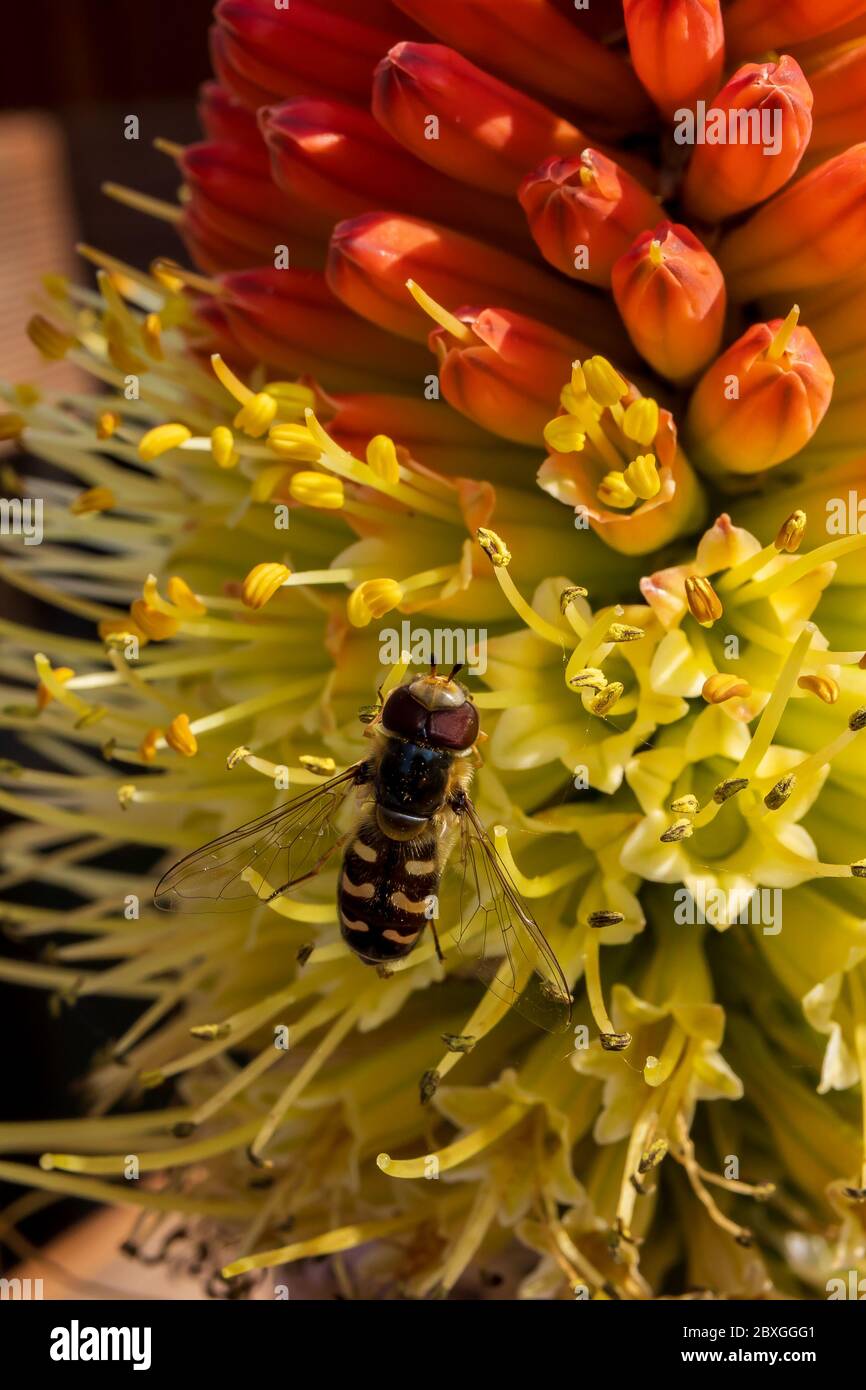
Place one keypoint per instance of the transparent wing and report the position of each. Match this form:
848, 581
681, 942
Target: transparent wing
281, 847
500, 936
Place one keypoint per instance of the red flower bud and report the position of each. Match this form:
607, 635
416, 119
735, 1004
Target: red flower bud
224, 118
535, 45
335, 157
810, 234
774, 123
754, 25
671, 296
505, 371
235, 217
487, 134
761, 401
584, 212
291, 320
677, 47
262, 53
372, 256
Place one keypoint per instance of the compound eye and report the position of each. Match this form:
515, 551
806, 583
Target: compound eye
453, 728
403, 715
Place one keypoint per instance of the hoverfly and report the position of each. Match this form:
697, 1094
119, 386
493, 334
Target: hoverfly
412, 816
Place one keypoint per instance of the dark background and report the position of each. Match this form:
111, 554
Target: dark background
79, 67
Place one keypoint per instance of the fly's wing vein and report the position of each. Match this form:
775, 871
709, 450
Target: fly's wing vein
281, 847
508, 948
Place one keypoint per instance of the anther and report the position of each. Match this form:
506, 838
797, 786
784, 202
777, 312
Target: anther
680, 830
567, 597
604, 917
725, 790
494, 547
823, 686
704, 603
778, 794
615, 1042
687, 805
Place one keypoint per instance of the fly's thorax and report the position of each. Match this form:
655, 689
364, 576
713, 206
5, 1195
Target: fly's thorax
412, 781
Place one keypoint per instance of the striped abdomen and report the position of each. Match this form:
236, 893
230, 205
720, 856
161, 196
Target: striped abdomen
385, 887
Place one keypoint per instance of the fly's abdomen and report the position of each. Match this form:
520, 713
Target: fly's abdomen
385, 892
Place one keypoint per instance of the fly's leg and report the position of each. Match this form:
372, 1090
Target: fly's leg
436, 941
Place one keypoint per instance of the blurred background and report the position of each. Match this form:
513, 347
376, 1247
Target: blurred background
72, 73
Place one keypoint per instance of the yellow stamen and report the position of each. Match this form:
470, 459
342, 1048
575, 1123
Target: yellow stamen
107, 422
317, 490
823, 686
294, 441
461, 331
155, 624
262, 583
180, 737
222, 445
783, 334
720, 687
382, 458
183, 597
642, 476
256, 415
603, 381
151, 336
791, 532
227, 378
641, 420
604, 702
161, 439
44, 695
703, 601
50, 342
494, 547
614, 491
564, 435
95, 499
373, 599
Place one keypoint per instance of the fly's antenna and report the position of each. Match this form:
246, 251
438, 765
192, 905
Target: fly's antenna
457, 667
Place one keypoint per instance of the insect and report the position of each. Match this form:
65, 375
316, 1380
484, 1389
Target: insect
411, 818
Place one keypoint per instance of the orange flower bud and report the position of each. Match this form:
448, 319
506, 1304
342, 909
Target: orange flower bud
677, 47
584, 211
372, 257
811, 234
539, 48
838, 84
761, 401
671, 296
487, 134
753, 25
291, 320
773, 104
506, 373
